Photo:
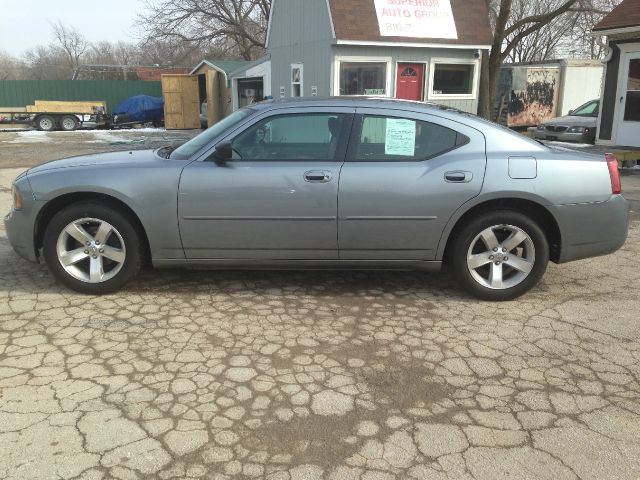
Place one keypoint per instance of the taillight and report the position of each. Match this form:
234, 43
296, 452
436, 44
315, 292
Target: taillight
612, 163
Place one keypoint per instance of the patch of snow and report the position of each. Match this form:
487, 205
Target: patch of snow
106, 136
31, 136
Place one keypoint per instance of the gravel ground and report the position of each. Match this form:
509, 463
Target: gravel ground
317, 375
28, 148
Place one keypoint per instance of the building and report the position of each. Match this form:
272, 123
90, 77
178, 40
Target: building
619, 119
427, 50
214, 86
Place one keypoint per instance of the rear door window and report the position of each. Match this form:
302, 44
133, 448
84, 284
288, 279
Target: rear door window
402, 139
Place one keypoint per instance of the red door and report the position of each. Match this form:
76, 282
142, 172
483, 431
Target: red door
410, 80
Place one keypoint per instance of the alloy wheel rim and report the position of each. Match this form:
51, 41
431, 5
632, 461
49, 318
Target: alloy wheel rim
501, 257
91, 250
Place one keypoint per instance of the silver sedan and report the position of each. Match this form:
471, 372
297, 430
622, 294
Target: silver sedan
357, 183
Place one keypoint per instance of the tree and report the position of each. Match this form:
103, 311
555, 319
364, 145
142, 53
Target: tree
10, 68
71, 41
46, 63
235, 27
512, 25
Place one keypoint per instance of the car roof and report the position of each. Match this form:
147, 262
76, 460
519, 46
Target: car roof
354, 101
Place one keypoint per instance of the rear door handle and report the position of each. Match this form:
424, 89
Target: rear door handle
458, 177
317, 176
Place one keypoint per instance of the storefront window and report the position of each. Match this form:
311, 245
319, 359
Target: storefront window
453, 79
363, 78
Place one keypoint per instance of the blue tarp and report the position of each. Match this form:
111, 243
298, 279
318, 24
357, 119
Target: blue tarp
141, 108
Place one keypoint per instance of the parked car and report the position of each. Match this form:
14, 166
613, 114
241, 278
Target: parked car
579, 126
358, 183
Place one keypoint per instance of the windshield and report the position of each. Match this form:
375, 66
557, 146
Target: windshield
587, 110
192, 146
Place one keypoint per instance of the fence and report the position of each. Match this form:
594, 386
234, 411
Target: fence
19, 93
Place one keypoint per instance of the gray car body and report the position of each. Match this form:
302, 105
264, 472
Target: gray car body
199, 213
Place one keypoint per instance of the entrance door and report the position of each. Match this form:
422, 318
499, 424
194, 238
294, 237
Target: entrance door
629, 117
410, 81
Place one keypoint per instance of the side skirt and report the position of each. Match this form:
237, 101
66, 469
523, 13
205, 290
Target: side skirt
231, 264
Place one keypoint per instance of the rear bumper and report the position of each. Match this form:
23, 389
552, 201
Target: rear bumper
592, 229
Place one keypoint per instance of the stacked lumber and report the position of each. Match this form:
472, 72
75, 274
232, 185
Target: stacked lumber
47, 106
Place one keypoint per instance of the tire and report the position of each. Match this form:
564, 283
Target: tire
46, 123
518, 264
69, 123
111, 253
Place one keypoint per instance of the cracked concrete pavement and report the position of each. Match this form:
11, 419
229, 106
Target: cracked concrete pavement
321, 375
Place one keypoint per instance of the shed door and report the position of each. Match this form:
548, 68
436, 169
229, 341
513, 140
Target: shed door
181, 101
629, 120
410, 81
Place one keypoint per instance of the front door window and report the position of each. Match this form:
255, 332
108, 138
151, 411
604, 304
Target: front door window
632, 104
291, 137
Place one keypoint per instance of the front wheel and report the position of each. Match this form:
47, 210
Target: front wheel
92, 248
499, 255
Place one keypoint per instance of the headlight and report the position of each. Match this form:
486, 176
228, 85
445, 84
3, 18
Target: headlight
578, 130
17, 197
541, 127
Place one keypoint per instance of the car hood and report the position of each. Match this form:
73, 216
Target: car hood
100, 159
573, 120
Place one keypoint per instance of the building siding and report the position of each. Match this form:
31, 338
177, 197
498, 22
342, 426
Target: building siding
20, 93
300, 34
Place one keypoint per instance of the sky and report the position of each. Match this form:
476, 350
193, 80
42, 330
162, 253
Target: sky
26, 23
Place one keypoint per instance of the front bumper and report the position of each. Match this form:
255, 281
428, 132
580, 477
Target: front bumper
20, 231
20, 224
587, 137
592, 229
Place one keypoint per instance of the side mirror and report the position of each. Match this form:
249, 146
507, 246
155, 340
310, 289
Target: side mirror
223, 152
570, 112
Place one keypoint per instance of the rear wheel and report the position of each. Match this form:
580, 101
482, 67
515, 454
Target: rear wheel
69, 123
92, 248
45, 123
500, 255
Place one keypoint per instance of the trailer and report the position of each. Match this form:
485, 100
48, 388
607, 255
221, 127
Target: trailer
53, 115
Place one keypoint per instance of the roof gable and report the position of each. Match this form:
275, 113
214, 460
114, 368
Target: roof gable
357, 20
627, 14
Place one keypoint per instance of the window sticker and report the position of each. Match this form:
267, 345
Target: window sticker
400, 137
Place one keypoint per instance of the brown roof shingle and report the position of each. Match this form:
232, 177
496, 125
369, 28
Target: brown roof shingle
357, 20
627, 14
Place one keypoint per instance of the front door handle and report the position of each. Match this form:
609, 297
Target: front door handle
458, 177
317, 176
